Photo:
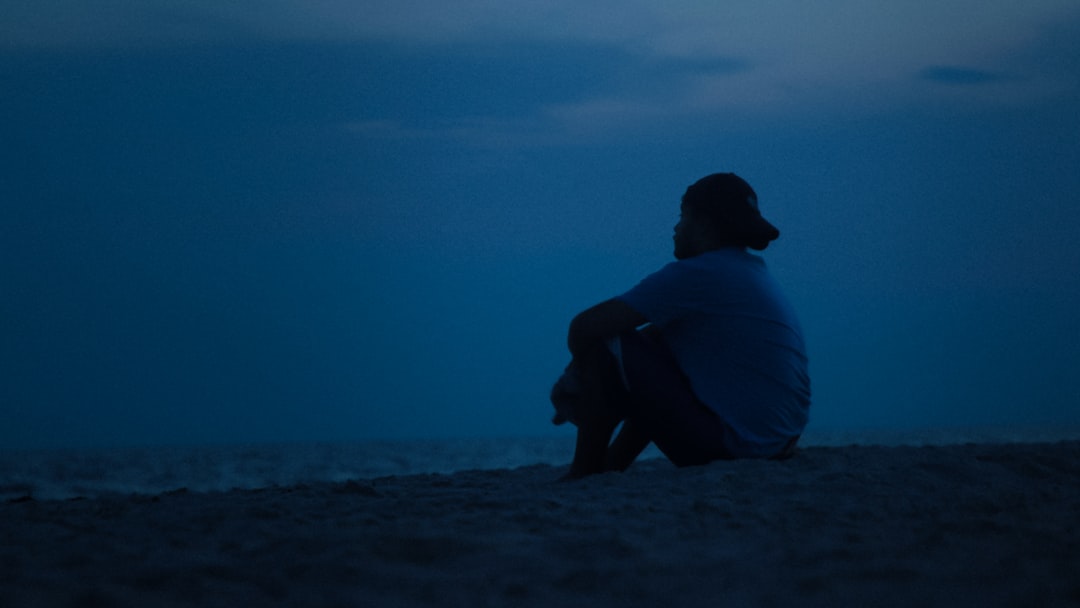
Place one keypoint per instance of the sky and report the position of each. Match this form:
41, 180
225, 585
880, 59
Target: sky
293, 221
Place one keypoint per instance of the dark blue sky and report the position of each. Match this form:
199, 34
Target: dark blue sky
315, 222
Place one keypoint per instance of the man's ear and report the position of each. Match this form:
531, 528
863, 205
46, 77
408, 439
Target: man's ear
711, 231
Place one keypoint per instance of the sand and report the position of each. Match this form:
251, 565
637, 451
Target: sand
970, 525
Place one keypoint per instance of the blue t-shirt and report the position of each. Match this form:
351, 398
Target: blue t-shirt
738, 341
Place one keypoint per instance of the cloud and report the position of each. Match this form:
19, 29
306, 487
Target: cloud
1045, 67
522, 67
529, 93
1052, 60
836, 28
952, 75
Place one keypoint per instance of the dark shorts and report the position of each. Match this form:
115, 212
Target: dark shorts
663, 404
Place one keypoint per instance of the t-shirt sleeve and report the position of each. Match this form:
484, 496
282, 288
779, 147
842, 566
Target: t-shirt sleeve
666, 294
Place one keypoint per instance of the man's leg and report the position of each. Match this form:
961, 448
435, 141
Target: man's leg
664, 409
590, 450
601, 406
628, 445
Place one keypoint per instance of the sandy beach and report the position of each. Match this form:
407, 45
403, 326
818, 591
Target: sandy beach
963, 525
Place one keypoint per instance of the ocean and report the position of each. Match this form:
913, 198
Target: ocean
60, 474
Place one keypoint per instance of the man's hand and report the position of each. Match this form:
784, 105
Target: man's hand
605, 320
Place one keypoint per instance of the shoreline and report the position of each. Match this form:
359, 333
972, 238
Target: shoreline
953, 525
64, 473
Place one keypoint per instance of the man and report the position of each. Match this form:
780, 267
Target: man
705, 358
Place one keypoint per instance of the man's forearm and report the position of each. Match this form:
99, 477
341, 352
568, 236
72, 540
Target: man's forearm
583, 335
605, 320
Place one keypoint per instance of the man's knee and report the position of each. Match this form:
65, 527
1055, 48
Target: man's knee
590, 389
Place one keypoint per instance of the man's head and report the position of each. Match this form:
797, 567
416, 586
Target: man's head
718, 210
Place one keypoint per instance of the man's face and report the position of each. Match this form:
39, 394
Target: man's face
691, 234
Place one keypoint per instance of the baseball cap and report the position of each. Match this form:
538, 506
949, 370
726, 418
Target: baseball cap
732, 204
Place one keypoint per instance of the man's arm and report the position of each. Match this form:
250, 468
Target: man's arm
605, 320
